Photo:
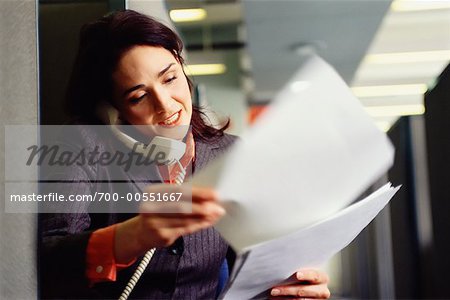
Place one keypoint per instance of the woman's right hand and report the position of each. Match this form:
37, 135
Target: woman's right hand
159, 224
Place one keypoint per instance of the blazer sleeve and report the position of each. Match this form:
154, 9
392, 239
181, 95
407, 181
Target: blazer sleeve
63, 242
63, 237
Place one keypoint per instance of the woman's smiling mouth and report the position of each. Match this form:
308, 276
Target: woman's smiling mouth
172, 120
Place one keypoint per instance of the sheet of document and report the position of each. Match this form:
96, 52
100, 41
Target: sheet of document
310, 155
265, 265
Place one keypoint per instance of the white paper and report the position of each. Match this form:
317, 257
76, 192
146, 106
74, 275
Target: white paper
265, 265
310, 155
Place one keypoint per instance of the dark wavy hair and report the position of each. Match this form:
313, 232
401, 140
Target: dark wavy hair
102, 43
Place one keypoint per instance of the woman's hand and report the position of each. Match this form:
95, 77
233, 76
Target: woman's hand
159, 224
311, 284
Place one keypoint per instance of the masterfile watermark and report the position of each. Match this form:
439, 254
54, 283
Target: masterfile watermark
67, 169
56, 156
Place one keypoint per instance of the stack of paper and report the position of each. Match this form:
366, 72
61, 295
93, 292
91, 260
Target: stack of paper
284, 184
260, 267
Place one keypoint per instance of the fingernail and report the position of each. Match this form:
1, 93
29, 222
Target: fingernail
221, 211
299, 275
275, 292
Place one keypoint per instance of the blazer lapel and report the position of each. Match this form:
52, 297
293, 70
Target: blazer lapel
204, 153
144, 176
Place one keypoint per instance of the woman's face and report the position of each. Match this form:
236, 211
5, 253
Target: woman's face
150, 88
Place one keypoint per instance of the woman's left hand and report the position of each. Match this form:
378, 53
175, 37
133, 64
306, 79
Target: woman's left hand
311, 284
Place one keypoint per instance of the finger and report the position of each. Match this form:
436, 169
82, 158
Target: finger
197, 194
160, 223
169, 208
314, 276
206, 210
289, 298
211, 211
200, 194
319, 291
186, 196
171, 234
187, 191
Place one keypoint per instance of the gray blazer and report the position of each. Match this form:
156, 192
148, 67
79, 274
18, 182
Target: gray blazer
188, 269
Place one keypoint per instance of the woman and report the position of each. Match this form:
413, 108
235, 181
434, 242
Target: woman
133, 63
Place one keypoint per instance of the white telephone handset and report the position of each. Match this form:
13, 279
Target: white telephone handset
173, 149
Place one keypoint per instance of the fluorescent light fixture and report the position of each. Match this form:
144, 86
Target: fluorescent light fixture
418, 5
389, 90
187, 15
408, 57
205, 69
395, 110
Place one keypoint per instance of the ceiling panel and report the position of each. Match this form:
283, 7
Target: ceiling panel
407, 33
340, 30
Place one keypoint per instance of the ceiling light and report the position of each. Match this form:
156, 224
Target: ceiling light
389, 90
187, 15
418, 5
408, 57
395, 110
205, 69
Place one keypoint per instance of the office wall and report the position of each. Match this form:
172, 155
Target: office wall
59, 27
437, 103
19, 97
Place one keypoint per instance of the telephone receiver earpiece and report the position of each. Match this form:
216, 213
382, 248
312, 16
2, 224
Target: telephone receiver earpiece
161, 149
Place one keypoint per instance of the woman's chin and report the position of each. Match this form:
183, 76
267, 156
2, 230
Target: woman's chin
177, 132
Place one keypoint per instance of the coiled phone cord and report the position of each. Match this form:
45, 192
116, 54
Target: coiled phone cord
149, 254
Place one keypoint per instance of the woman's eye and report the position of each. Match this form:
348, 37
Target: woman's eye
137, 100
169, 80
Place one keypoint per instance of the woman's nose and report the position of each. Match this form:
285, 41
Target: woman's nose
162, 101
